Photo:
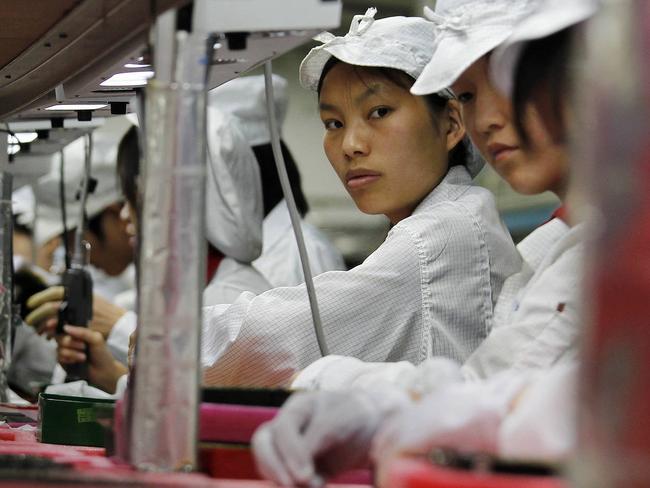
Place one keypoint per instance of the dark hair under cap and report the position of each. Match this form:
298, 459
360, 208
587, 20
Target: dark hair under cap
271, 188
128, 165
435, 103
541, 78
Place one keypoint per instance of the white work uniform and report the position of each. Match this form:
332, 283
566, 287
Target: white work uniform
429, 289
231, 280
536, 323
280, 262
279, 265
109, 287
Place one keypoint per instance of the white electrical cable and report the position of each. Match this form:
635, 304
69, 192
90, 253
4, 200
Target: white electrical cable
293, 211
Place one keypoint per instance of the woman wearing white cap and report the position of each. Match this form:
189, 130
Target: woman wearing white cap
322, 433
430, 287
520, 414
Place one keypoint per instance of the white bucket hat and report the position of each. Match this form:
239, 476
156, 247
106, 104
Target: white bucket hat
464, 31
401, 43
551, 16
234, 210
245, 98
23, 204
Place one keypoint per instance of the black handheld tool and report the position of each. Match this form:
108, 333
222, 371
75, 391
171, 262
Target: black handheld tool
76, 309
77, 306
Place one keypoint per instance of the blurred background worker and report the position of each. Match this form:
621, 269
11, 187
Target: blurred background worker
245, 99
111, 256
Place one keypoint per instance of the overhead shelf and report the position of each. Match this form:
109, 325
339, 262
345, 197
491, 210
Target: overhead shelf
87, 37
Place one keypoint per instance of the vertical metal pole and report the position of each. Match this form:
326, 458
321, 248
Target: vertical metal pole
293, 211
6, 256
165, 389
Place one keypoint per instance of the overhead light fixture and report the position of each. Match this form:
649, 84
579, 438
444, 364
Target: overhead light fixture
26, 137
132, 78
77, 106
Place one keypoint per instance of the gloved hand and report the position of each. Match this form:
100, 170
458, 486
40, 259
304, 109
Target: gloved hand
542, 426
465, 416
340, 372
45, 314
319, 434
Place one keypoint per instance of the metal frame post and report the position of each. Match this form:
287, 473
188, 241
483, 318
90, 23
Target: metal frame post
164, 394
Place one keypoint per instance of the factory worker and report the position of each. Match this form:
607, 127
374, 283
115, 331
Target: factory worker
111, 256
536, 324
245, 99
430, 287
233, 212
525, 415
400, 303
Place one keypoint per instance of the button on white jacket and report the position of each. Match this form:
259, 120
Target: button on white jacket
429, 289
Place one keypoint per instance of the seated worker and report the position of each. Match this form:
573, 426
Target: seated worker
501, 401
111, 257
520, 414
430, 288
245, 99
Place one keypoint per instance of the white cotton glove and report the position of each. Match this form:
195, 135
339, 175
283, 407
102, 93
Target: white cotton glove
341, 372
542, 426
463, 416
319, 434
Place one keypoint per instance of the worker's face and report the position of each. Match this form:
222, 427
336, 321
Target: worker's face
488, 117
128, 215
382, 142
111, 252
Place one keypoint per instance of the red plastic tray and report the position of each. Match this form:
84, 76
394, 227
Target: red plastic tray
409, 473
